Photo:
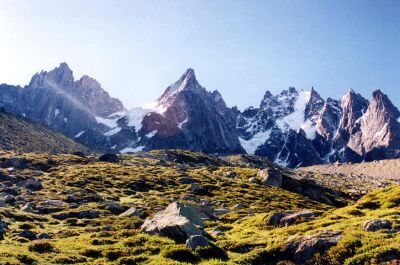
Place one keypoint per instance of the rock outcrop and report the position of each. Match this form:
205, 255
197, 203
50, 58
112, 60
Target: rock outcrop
291, 218
178, 221
305, 248
377, 224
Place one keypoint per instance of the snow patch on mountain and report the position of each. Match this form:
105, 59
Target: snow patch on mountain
151, 134
79, 134
131, 150
295, 120
111, 123
181, 123
135, 115
56, 112
112, 131
251, 145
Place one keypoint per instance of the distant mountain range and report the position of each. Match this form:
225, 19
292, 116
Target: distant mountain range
294, 128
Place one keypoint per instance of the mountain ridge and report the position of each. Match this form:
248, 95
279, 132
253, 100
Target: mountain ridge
293, 128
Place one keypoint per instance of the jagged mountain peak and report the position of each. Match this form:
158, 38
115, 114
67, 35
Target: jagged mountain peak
89, 82
381, 102
61, 75
187, 81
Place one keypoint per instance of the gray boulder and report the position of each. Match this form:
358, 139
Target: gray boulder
44, 236
196, 241
28, 208
3, 227
178, 221
133, 212
111, 158
217, 231
9, 199
28, 234
291, 218
270, 177
187, 180
377, 224
253, 180
31, 184
85, 214
16, 162
231, 174
240, 206
221, 211
114, 207
305, 248
197, 189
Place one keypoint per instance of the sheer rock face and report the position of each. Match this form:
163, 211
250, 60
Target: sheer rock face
379, 130
189, 117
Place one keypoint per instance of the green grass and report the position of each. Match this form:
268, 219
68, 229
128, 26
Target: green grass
246, 239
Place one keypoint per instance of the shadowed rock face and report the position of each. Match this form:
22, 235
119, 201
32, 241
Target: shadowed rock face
55, 99
193, 119
379, 129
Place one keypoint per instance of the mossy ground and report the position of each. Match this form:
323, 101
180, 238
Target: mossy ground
110, 239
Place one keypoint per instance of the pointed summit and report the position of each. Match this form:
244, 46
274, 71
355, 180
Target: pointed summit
381, 102
189, 73
186, 82
314, 104
61, 75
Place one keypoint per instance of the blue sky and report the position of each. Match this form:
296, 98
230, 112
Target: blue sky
242, 48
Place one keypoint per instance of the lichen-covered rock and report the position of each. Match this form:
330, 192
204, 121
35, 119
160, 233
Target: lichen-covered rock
44, 236
15, 162
9, 199
28, 234
270, 177
3, 227
133, 212
86, 214
291, 218
31, 184
196, 241
253, 180
28, 208
111, 158
304, 248
113, 206
231, 174
377, 224
198, 189
221, 211
217, 231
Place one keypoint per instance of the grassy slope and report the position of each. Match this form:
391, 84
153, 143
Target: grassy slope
356, 247
22, 135
86, 241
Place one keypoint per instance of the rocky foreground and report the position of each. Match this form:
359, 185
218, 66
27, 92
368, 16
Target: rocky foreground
172, 207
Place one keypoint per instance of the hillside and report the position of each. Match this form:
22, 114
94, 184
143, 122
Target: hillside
140, 209
23, 135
